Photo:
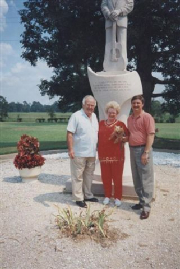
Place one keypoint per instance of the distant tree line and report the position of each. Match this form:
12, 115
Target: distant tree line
161, 114
158, 110
6, 107
34, 107
3, 108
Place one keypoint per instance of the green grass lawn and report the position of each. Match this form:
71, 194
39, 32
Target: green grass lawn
168, 130
168, 136
53, 135
50, 135
32, 116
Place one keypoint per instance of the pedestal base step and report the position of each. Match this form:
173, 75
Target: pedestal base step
98, 190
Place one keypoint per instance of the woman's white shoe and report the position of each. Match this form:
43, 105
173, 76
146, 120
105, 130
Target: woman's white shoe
106, 201
117, 202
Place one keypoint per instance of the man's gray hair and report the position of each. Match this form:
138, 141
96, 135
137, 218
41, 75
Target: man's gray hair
88, 97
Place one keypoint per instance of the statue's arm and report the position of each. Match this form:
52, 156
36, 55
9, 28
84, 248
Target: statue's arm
105, 10
127, 8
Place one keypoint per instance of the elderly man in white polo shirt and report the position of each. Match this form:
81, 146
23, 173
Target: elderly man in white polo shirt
82, 137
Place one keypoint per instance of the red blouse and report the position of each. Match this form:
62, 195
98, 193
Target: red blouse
108, 150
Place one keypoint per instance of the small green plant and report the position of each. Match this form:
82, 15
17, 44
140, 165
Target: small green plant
101, 221
87, 223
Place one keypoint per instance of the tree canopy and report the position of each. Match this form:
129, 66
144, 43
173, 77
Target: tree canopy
154, 46
34, 107
70, 34
3, 108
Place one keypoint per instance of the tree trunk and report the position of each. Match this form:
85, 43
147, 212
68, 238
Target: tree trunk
148, 88
144, 68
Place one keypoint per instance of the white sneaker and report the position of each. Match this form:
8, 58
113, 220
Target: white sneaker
117, 202
106, 201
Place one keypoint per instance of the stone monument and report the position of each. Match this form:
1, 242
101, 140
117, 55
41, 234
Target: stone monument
115, 83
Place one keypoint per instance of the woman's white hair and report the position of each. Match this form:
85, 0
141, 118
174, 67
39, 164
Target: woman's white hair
112, 104
88, 97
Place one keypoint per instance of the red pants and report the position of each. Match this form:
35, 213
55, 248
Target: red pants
112, 172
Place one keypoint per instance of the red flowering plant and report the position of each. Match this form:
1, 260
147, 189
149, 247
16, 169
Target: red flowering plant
28, 153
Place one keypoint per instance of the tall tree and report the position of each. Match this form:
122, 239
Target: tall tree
55, 106
26, 107
3, 108
69, 35
19, 107
156, 109
37, 107
154, 45
66, 34
172, 104
12, 107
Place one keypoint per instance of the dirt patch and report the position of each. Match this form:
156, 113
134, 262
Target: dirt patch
112, 236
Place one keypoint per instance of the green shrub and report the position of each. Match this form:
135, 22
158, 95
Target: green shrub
172, 120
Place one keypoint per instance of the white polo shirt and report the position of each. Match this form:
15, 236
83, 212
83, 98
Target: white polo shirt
85, 133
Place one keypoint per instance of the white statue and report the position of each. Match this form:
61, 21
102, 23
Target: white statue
115, 13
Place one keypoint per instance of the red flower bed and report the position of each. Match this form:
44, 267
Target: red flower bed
28, 153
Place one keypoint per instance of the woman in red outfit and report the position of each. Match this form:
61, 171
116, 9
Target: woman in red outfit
111, 152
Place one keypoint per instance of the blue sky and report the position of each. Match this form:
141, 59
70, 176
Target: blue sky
18, 79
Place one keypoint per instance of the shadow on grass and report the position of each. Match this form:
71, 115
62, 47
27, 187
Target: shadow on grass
165, 143
44, 145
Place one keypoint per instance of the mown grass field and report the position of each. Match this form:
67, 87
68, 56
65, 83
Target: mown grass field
53, 135
168, 130
50, 135
32, 116
168, 136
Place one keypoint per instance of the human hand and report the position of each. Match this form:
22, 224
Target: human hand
114, 15
71, 154
145, 158
124, 139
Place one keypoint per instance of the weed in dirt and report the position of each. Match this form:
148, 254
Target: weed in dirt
85, 225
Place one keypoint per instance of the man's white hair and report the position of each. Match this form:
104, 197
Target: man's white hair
88, 97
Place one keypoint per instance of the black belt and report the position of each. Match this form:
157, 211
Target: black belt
139, 146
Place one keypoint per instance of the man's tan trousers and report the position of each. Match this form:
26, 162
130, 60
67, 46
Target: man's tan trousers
82, 169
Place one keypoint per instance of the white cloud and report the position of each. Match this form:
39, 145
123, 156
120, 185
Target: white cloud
18, 79
19, 68
20, 83
3, 10
5, 51
12, 3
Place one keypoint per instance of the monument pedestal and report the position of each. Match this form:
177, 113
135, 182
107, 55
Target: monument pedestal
128, 191
97, 188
